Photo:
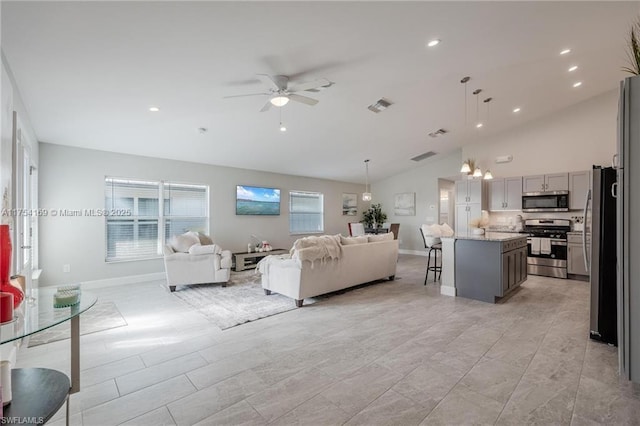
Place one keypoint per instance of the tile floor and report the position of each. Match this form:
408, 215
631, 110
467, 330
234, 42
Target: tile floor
392, 353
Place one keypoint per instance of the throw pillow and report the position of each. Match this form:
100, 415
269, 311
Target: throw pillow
205, 240
345, 241
380, 237
436, 231
426, 230
446, 230
182, 243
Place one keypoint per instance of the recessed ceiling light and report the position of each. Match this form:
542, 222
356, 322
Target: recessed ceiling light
433, 43
154, 109
479, 125
577, 84
516, 109
565, 51
573, 68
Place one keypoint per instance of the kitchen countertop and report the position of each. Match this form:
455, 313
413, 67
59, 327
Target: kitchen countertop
489, 236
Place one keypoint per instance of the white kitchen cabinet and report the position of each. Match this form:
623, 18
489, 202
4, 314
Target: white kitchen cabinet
545, 183
579, 184
464, 213
505, 194
470, 200
469, 191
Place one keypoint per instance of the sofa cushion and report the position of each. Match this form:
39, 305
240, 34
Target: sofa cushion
446, 230
380, 237
182, 243
345, 241
200, 249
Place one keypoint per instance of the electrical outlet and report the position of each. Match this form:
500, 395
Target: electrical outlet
66, 268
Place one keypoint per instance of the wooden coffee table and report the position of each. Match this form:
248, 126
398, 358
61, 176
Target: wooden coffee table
245, 260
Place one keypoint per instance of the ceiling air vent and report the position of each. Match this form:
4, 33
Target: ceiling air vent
438, 132
424, 156
380, 105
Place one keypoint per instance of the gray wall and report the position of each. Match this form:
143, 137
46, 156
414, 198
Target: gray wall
73, 178
423, 181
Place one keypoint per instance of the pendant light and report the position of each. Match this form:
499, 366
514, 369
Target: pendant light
466, 168
366, 195
487, 175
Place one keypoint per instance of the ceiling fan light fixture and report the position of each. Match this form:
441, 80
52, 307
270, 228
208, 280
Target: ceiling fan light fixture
279, 100
465, 168
488, 175
477, 172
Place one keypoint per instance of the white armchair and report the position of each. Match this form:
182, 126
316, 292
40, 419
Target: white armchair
201, 265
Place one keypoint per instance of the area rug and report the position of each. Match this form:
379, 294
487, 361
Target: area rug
100, 317
241, 301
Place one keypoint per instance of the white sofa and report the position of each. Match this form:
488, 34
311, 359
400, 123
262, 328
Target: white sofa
187, 261
295, 277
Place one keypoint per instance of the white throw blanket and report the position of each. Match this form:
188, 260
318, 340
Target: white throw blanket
317, 248
267, 261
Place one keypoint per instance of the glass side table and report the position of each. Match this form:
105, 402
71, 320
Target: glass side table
38, 393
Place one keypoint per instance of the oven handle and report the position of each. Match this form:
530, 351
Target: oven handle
584, 232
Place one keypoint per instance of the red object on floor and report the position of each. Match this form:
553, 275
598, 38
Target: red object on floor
6, 307
5, 267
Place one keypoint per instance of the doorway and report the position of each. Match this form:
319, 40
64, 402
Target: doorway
446, 205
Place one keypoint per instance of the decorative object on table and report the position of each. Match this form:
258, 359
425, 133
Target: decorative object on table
5, 377
405, 204
66, 298
6, 307
366, 195
374, 217
103, 316
478, 224
5, 266
349, 204
633, 50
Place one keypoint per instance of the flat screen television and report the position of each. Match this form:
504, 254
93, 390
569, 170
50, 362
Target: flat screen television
256, 200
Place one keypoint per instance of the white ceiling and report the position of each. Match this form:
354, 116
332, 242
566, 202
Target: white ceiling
89, 71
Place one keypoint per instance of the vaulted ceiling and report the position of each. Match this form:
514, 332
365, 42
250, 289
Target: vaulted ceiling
89, 71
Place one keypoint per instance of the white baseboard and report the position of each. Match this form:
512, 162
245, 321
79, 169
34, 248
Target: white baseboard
131, 279
447, 290
416, 252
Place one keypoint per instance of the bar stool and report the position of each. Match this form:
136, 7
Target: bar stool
433, 244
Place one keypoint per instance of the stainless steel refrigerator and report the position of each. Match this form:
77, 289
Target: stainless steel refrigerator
627, 163
600, 255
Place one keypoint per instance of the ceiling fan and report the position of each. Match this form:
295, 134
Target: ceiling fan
280, 92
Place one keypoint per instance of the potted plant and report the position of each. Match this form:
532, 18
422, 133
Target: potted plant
633, 51
374, 217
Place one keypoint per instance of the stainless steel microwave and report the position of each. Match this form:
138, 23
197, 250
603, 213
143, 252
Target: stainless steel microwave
553, 201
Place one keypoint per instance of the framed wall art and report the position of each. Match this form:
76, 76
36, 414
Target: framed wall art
405, 204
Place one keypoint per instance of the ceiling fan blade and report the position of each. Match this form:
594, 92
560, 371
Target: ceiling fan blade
323, 82
303, 99
249, 94
266, 106
269, 81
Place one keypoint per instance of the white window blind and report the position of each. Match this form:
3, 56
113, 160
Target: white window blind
158, 211
135, 235
186, 208
306, 212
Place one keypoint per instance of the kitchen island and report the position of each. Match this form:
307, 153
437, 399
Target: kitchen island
483, 267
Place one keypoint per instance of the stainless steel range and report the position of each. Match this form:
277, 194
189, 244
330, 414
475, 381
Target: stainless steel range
547, 246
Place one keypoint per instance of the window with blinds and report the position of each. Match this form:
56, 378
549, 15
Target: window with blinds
306, 212
186, 208
143, 215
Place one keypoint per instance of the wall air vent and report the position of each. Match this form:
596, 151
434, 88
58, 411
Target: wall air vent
424, 156
380, 105
438, 132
